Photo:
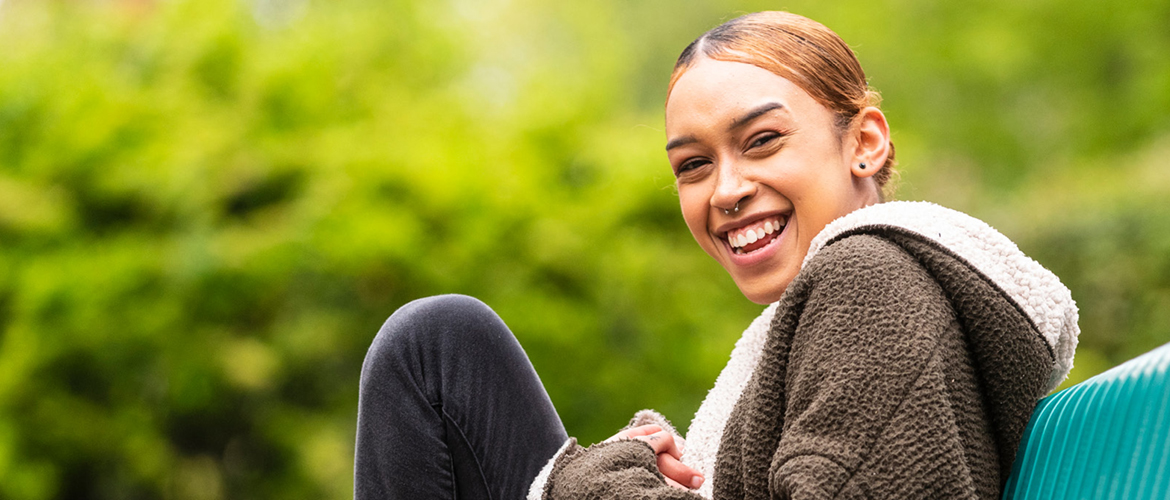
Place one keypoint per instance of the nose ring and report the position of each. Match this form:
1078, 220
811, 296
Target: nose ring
728, 212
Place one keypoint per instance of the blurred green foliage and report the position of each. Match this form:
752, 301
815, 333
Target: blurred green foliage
207, 208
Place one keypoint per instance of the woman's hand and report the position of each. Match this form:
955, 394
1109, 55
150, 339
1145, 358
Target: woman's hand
668, 452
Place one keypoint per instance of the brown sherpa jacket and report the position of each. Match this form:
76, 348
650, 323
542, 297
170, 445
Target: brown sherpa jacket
902, 362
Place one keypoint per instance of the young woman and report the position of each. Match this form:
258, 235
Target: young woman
904, 350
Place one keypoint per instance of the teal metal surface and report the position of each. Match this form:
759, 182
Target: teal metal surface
1105, 438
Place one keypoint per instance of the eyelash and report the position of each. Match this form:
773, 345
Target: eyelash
689, 165
763, 140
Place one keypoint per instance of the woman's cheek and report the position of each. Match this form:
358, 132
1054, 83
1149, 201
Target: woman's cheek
693, 210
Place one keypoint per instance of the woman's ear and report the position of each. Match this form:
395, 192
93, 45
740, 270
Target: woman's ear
872, 139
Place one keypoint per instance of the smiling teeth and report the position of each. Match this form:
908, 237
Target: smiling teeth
747, 235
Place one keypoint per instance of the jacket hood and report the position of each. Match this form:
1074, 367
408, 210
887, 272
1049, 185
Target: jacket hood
1023, 282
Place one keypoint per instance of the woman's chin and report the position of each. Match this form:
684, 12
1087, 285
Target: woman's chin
764, 289
762, 295
763, 275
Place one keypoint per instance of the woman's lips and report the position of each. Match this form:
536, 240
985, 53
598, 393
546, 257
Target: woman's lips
755, 234
754, 252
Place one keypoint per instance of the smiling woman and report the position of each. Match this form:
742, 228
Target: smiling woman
743, 137
901, 356
752, 151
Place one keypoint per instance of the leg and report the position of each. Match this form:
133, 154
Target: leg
450, 407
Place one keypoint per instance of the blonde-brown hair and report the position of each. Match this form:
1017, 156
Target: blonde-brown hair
800, 50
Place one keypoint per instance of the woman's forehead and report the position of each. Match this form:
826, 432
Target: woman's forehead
719, 94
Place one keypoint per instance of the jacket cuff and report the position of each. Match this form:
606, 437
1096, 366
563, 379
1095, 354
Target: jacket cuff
536, 491
645, 417
652, 417
621, 469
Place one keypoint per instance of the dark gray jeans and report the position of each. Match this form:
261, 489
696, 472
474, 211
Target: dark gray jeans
450, 407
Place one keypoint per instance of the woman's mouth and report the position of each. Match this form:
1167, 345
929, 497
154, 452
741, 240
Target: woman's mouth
756, 235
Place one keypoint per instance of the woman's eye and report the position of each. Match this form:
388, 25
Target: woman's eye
763, 140
690, 165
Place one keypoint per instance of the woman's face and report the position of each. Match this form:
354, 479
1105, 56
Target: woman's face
737, 133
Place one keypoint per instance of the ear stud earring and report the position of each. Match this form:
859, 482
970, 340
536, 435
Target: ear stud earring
862, 166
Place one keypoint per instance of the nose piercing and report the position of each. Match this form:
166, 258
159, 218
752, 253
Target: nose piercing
728, 212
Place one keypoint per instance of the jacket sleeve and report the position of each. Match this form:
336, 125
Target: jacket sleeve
616, 469
866, 411
612, 470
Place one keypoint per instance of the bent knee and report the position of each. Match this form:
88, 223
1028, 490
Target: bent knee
441, 308
439, 313
440, 323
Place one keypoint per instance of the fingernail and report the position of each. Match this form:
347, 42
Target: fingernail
696, 482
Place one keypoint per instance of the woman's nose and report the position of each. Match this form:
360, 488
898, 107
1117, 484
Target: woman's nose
731, 188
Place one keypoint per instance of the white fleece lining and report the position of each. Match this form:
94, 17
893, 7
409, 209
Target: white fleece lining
537, 489
706, 430
1037, 291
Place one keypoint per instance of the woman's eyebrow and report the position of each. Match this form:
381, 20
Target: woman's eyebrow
681, 141
753, 114
738, 123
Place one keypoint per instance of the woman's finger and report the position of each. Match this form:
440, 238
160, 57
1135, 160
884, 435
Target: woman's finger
662, 442
678, 473
675, 484
641, 430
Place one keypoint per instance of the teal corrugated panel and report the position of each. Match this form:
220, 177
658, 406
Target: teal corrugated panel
1105, 438
1074, 450
1154, 461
